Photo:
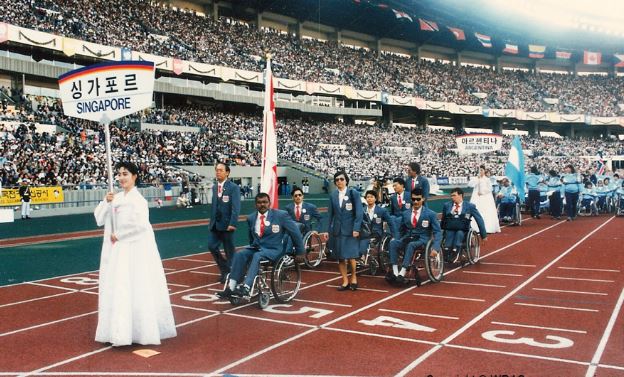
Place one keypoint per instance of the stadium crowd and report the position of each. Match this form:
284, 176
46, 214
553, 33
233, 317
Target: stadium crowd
149, 27
77, 157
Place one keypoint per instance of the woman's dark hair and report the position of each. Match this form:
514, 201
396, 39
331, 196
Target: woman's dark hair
552, 172
572, 170
534, 170
129, 166
343, 173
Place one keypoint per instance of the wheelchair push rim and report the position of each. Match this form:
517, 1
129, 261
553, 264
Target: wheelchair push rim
286, 279
314, 249
473, 248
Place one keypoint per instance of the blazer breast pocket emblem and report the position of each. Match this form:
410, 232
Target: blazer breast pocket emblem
378, 220
306, 217
425, 223
225, 198
348, 206
275, 228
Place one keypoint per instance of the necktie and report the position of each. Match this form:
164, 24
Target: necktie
297, 213
415, 219
220, 189
400, 201
413, 183
261, 225
456, 208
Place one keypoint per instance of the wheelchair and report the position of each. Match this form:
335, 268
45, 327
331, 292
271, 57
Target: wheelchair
470, 251
587, 207
516, 217
315, 249
281, 279
619, 205
422, 260
371, 260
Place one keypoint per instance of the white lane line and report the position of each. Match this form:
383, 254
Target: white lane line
187, 269
499, 352
474, 284
322, 272
557, 307
54, 286
196, 309
565, 291
46, 324
538, 327
207, 286
169, 269
380, 335
490, 273
263, 351
508, 264
418, 314
35, 299
579, 279
323, 303
450, 297
178, 285
94, 274
362, 289
270, 320
588, 269
450, 338
194, 260
611, 366
605, 336
205, 273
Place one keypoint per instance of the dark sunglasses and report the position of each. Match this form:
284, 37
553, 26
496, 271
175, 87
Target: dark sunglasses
339, 179
298, 195
416, 199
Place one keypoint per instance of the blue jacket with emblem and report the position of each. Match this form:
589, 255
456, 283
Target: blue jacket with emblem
346, 219
277, 224
309, 212
428, 226
224, 210
468, 212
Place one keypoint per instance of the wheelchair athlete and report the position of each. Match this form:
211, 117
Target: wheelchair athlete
507, 196
418, 226
620, 200
589, 199
306, 215
267, 228
373, 222
456, 218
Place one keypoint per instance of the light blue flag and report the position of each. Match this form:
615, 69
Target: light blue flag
514, 169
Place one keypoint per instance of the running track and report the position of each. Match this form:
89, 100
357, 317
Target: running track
545, 300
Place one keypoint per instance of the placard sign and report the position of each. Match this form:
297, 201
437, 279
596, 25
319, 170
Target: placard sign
107, 91
478, 143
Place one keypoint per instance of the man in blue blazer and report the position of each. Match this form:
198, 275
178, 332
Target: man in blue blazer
223, 218
415, 180
456, 218
418, 226
302, 212
400, 200
267, 228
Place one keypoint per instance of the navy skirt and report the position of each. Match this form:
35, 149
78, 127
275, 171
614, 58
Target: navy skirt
345, 247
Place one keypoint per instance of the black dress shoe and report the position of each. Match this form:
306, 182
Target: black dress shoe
343, 288
390, 277
226, 293
241, 291
353, 286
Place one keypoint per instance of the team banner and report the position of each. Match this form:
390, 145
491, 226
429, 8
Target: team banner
286, 84
567, 118
601, 121
38, 195
107, 91
464, 109
499, 113
478, 143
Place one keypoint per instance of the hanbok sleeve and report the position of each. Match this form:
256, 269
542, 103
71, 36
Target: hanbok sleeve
138, 224
102, 213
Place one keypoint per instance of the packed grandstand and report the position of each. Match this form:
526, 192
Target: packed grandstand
73, 154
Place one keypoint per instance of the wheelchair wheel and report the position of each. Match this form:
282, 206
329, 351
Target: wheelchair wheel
373, 265
263, 300
314, 249
434, 265
285, 279
384, 254
473, 247
518, 215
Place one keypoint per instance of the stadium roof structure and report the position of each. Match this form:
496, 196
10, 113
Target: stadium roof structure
571, 29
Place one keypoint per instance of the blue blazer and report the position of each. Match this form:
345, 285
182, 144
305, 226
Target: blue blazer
421, 182
225, 210
428, 226
345, 219
277, 225
469, 211
308, 213
395, 210
380, 215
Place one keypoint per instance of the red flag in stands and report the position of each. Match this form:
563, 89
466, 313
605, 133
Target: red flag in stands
268, 180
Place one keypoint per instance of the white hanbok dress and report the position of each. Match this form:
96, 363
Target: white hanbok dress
484, 200
134, 304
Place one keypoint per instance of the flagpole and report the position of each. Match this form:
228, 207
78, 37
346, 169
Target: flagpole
269, 140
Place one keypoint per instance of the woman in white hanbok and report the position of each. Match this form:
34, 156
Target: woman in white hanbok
484, 200
134, 304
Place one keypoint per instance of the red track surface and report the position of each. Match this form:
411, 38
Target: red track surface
545, 300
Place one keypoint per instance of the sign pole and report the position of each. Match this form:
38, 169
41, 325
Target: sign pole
109, 168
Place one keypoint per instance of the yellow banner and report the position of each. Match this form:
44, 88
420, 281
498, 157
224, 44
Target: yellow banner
38, 195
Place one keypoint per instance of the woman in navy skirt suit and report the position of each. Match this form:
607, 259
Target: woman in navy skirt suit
345, 221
